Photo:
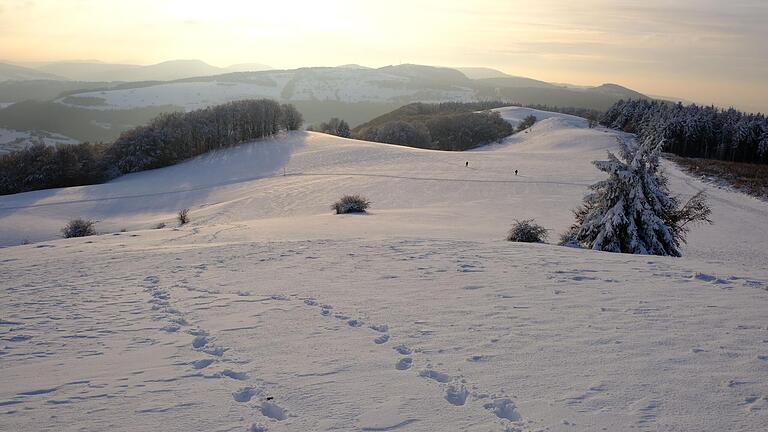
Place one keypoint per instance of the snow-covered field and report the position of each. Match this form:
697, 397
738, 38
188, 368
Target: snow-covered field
340, 85
11, 139
266, 312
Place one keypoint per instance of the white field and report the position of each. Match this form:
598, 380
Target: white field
340, 85
266, 312
11, 139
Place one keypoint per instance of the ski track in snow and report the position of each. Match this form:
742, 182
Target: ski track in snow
207, 327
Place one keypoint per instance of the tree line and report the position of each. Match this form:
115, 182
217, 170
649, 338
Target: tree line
452, 126
694, 131
166, 140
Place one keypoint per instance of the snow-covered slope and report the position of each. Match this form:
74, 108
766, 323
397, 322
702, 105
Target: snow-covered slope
266, 312
11, 140
387, 85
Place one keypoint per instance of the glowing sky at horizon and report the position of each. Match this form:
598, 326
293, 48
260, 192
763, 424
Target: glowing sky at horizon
709, 51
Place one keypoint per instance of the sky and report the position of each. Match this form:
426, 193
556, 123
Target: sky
708, 51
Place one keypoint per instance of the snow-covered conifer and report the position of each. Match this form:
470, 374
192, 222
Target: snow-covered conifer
632, 211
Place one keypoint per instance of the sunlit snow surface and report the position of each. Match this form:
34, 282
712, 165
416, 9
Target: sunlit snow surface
266, 312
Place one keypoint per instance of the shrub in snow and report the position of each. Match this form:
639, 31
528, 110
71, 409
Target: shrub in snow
527, 231
351, 204
632, 211
568, 239
79, 228
161, 225
183, 216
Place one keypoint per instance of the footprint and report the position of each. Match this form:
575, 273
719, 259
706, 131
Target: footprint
273, 411
150, 280
478, 358
355, 323
244, 394
240, 376
199, 342
504, 408
170, 328
201, 364
216, 351
310, 302
381, 328
382, 339
402, 349
435, 375
456, 395
258, 428
404, 363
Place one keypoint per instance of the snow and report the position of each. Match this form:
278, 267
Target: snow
11, 139
267, 312
193, 95
342, 85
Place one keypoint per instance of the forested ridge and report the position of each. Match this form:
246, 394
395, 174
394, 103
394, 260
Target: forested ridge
693, 130
166, 140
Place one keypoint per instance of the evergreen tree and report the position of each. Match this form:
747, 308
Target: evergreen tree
632, 211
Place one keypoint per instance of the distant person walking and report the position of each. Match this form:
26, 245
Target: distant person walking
467, 164
515, 172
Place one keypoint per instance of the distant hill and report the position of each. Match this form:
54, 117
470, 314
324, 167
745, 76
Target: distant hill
513, 81
9, 72
165, 71
352, 66
481, 72
247, 67
428, 75
617, 91
82, 70
351, 92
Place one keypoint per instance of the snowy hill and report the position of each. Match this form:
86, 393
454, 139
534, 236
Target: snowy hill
403, 83
165, 71
399, 84
266, 312
11, 140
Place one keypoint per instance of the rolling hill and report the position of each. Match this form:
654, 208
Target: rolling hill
165, 71
267, 312
355, 94
9, 72
391, 84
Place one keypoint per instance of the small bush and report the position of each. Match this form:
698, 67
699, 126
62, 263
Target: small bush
161, 225
79, 228
183, 216
568, 238
351, 204
527, 231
